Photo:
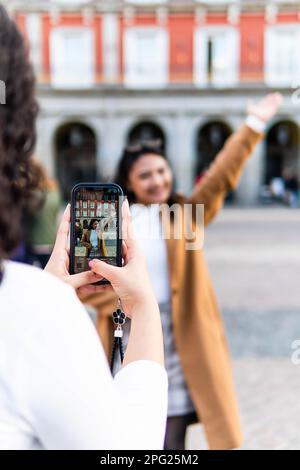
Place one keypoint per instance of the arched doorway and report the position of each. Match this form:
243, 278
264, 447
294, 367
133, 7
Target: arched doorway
146, 131
282, 150
210, 140
75, 148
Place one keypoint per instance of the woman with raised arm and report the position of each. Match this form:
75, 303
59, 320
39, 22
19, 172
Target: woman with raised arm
197, 359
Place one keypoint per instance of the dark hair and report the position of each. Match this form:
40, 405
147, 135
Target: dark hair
92, 223
130, 155
20, 177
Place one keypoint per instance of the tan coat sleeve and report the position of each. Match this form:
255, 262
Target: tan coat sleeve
224, 173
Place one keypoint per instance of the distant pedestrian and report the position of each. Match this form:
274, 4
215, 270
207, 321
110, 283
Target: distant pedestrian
43, 222
291, 187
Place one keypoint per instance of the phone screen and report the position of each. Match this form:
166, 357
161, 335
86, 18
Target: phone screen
95, 225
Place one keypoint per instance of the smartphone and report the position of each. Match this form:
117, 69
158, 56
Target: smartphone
95, 225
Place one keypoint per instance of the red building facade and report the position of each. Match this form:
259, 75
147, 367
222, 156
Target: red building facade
180, 25
112, 71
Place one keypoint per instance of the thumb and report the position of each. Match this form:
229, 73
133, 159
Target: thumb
62, 237
103, 269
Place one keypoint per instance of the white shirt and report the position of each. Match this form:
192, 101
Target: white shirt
148, 232
56, 389
94, 238
255, 123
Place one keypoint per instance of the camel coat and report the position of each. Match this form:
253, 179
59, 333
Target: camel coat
197, 324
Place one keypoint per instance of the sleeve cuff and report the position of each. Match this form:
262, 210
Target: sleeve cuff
143, 386
256, 124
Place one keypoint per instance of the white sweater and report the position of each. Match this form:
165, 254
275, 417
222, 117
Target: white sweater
56, 390
148, 232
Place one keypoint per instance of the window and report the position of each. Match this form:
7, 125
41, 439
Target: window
72, 57
216, 56
282, 65
146, 57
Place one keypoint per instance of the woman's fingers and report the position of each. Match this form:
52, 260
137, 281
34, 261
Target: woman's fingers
83, 279
265, 108
103, 269
124, 253
62, 236
127, 229
91, 289
277, 99
273, 100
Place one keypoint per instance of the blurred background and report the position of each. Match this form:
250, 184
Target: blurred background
112, 72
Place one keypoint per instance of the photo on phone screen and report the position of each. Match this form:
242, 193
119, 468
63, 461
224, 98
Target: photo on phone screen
95, 225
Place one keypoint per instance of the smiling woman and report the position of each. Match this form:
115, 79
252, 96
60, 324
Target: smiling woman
134, 174
194, 336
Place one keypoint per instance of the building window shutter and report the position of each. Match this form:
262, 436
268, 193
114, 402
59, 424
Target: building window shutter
72, 57
146, 57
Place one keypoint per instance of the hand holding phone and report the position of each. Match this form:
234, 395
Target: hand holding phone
58, 264
95, 226
131, 282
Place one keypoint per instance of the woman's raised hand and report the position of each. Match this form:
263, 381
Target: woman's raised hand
266, 108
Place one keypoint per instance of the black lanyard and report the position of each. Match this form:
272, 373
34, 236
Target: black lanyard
119, 319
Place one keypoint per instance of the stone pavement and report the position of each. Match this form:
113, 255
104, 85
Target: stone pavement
254, 260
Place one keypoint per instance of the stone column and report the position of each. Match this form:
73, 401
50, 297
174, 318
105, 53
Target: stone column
181, 152
113, 142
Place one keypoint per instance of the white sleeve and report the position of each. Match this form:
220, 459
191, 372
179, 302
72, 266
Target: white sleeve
66, 391
256, 124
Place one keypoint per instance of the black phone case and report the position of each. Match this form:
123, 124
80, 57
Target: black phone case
99, 187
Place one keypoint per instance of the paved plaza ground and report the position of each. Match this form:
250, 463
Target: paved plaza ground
254, 260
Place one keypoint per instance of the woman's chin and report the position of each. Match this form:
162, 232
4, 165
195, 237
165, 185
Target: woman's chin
159, 199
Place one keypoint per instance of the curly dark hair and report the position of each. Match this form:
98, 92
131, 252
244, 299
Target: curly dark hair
92, 221
20, 177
